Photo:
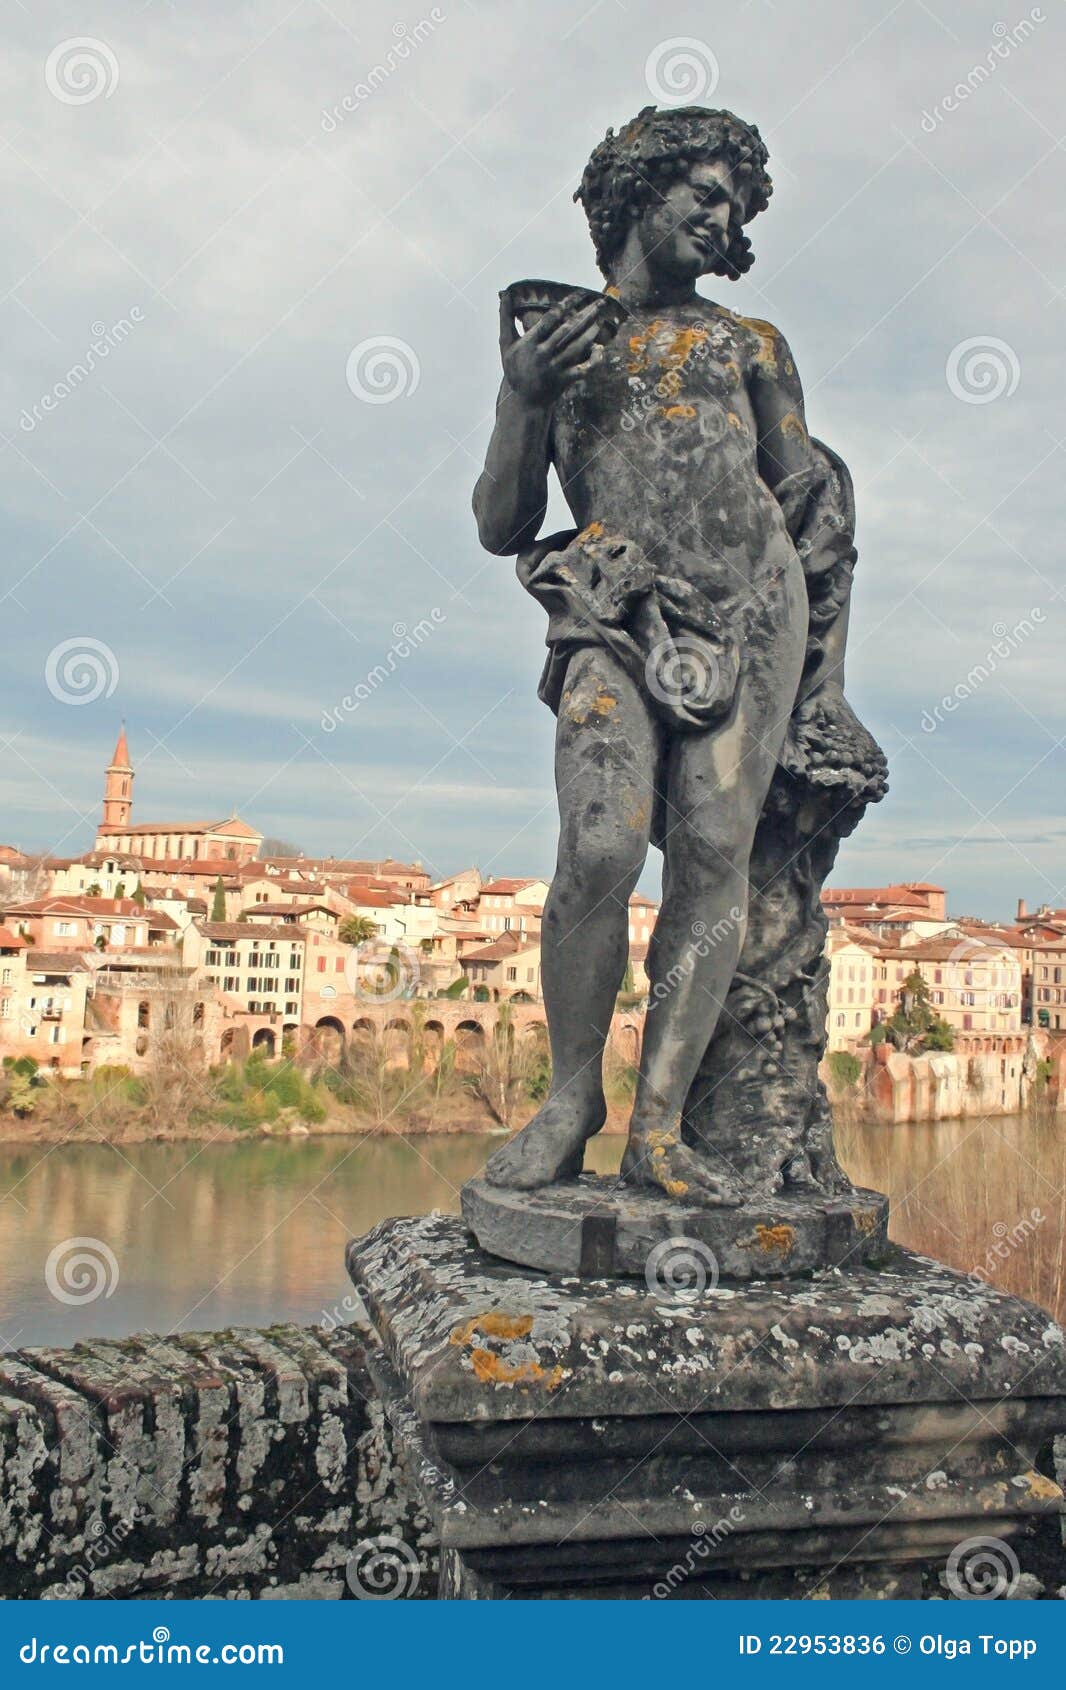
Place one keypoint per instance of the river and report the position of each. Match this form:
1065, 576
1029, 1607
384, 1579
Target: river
183, 1237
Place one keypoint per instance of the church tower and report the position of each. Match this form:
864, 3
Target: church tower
118, 786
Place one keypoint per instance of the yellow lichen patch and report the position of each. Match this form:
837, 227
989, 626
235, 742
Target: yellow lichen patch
736, 422
492, 1371
594, 531
1045, 1490
604, 702
674, 1187
775, 1240
791, 426
677, 412
639, 819
767, 337
682, 345
612, 292
494, 1324
661, 1140
638, 347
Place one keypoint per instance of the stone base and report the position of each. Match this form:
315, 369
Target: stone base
839, 1435
596, 1227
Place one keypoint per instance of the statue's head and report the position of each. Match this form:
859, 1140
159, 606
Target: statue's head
687, 180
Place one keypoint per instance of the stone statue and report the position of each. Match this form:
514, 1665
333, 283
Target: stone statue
697, 618
697, 621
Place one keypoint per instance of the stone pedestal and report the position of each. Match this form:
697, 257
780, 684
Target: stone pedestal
840, 1434
597, 1227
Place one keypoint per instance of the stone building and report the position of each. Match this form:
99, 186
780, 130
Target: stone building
229, 840
509, 967
1048, 987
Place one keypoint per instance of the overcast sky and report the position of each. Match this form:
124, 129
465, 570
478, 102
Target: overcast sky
233, 536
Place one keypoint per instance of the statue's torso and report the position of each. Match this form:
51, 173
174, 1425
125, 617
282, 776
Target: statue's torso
659, 443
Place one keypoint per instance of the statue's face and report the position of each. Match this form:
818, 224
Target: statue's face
685, 231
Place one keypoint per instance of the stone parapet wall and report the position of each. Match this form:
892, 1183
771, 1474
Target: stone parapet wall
225, 1464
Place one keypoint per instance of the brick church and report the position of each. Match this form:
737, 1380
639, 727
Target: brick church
230, 840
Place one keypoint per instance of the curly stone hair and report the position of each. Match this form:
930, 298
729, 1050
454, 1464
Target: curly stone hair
628, 169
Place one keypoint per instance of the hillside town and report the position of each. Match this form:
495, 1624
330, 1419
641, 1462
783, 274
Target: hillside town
293, 954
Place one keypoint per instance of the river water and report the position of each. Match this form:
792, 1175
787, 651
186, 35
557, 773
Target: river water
184, 1237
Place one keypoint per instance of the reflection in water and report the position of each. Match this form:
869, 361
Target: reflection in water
218, 1235
983, 1195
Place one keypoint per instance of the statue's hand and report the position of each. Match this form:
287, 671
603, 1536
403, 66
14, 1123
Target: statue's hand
557, 351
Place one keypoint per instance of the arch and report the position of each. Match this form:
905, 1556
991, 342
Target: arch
432, 1044
329, 1038
226, 1044
396, 1037
265, 1040
144, 1013
469, 1043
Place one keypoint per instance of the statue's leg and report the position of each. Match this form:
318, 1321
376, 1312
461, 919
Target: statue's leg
717, 784
607, 750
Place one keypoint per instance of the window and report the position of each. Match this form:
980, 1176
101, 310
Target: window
512, 974
65, 929
5, 1009
321, 961
292, 1009
6, 977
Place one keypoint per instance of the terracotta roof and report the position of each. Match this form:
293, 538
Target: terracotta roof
873, 896
246, 930
371, 898
506, 888
56, 962
158, 919
77, 903
12, 941
231, 825
947, 949
507, 945
256, 910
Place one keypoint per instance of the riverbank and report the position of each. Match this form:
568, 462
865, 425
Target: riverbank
367, 1092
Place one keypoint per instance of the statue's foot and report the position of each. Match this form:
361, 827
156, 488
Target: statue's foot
658, 1161
550, 1147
